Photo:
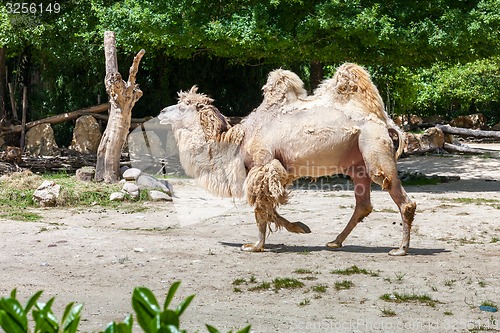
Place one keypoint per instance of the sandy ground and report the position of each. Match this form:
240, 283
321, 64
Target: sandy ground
97, 256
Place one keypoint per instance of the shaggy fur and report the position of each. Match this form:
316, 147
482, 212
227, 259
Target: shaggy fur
341, 128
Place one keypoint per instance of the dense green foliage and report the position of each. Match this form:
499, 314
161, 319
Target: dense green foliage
14, 318
426, 57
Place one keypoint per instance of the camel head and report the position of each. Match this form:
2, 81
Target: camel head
283, 86
195, 108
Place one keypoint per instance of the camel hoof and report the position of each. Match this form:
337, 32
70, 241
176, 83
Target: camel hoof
397, 252
251, 248
334, 245
303, 229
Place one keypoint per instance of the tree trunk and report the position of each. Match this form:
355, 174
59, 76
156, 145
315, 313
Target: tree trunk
316, 69
23, 119
468, 132
3, 83
122, 97
464, 149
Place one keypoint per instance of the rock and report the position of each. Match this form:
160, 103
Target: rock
168, 185
86, 135
415, 120
146, 182
130, 187
158, 196
496, 127
432, 138
134, 195
476, 121
117, 196
13, 154
46, 194
132, 174
40, 141
434, 119
85, 174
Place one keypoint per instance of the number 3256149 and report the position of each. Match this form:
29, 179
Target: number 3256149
32, 8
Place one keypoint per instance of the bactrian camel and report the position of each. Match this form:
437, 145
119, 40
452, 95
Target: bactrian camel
340, 129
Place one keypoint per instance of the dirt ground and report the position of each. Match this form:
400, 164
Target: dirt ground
97, 256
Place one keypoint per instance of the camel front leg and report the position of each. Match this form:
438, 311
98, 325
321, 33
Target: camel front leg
262, 221
363, 207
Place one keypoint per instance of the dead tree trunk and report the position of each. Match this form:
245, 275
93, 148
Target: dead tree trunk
122, 97
468, 132
3, 83
23, 119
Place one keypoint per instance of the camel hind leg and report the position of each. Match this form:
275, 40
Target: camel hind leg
295, 227
266, 189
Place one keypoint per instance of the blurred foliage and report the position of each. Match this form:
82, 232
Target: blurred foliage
14, 317
438, 57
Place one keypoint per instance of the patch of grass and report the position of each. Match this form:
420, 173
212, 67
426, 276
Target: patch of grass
237, 290
387, 210
239, 282
343, 285
489, 303
305, 302
21, 215
387, 312
320, 288
302, 271
354, 270
449, 283
400, 276
421, 181
495, 240
262, 286
477, 201
287, 283
482, 284
309, 278
409, 298
448, 313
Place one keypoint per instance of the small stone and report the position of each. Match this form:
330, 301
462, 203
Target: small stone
117, 196
85, 174
46, 194
138, 249
158, 196
134, 195
132, 174
130, 187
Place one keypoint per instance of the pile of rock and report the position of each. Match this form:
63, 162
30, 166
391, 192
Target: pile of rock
135, 181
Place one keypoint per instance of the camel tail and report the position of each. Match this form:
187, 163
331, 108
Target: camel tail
396, 135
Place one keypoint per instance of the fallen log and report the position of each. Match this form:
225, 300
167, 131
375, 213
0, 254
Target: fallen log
464, 149
468, 132
57, 118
